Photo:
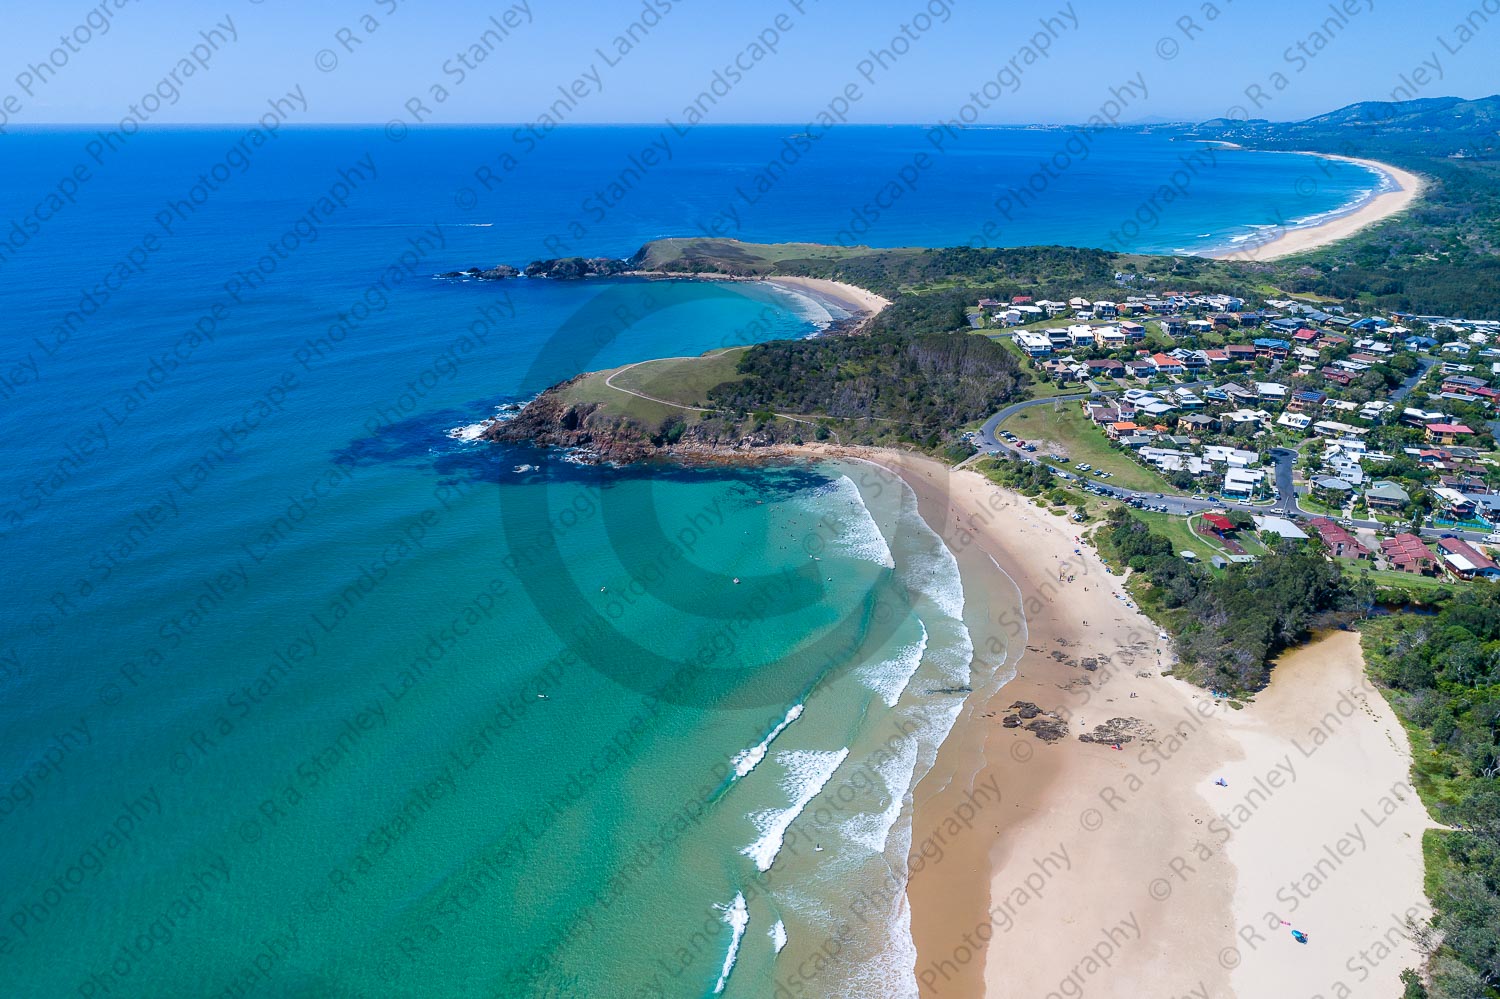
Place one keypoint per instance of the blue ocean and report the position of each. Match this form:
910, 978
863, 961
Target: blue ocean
305, 692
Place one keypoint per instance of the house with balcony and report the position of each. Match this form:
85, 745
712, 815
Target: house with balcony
1464, 561
1447, 433
1242, 483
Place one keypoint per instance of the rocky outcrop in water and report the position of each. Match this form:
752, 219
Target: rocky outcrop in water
499, 272
573, 268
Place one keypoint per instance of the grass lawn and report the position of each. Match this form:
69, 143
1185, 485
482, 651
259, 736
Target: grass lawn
1180, 532
684, 380
1083, 442
1409, 581
592, 389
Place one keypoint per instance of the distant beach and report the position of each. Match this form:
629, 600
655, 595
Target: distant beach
1402, 189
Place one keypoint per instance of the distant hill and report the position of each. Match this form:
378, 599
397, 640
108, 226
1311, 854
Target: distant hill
1432, 126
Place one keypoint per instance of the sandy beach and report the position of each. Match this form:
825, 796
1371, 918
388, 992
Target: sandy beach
845, 296
1130, 872
1283, 242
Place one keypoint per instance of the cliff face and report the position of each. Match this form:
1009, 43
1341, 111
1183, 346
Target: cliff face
551, 421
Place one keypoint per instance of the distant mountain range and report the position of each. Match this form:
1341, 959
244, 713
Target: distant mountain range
1434, 126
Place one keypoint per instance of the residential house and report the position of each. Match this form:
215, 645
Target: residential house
1231, 456
1110, 338
1165, 364
1294, 421
1035, 344
1407, 553
1101, 413
1197, 423
1454, 504
1306, 401
1274, 391
1106, 368
1271, 347
1339, 542
1470, 484
1240, 352
1143, 370
1465, 561
1337, 376
1064, 371
1242, 483
1447, 433
1332, 489
1386, 495
1116, 431
1333, 428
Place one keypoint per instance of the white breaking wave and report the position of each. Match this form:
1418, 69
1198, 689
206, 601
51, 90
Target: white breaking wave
778, 937
931, 568
747, 760
737, 915
890, 678
872, 829
807, 771
841, 508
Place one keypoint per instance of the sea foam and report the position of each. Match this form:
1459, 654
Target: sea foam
747, 760
807, 771
891, 677
737, 915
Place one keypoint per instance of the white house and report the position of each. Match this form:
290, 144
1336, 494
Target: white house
1242, 482
1231, 456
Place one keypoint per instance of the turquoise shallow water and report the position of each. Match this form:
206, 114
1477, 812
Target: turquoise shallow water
301, 696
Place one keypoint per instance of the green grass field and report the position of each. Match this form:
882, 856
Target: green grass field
1409, 581
681, 380
1180, 532
1083, 442
684, 380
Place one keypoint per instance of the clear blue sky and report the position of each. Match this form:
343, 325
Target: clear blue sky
284, 44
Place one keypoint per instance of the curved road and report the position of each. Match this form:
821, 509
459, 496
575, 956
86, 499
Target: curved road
989, 442
1285, 504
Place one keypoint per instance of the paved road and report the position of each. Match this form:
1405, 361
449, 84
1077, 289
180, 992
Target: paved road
1425, 365
988, 441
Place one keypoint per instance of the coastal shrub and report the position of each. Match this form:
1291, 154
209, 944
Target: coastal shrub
1231, 626
1442, 674
924, 388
